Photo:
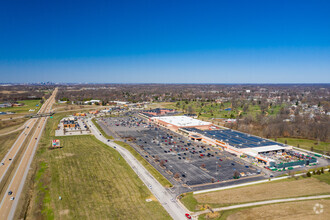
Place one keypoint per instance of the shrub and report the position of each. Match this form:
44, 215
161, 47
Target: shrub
308, 174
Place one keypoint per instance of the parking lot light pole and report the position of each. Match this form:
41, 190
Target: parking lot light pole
216, 167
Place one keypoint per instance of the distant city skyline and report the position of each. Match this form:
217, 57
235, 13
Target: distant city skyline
165, 41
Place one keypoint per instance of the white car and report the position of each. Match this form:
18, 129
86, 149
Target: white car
150, 187
12, 198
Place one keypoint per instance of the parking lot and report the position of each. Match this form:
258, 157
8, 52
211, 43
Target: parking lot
80, 128
192, 163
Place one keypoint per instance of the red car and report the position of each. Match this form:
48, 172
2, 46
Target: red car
188, 216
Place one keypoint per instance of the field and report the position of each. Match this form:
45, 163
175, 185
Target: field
93, 180
10, 125
28, 104
6, 142
307, 144
260, 192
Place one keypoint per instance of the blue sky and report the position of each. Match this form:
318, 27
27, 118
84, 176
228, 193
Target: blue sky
164, 41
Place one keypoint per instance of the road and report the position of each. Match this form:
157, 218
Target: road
12, 153
8, 206
165, 197
196, 214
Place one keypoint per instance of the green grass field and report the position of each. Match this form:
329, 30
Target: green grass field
28, 104
93, 180
307, 144
161, 179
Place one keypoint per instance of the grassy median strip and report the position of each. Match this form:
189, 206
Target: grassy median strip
101, 130
288, 188
286, 210
155, 173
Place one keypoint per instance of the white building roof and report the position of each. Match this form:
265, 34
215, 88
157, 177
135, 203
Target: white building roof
268, 148
182, 121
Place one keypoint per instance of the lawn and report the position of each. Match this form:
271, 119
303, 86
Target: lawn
161, 179
28, 104
93, 180
307, 144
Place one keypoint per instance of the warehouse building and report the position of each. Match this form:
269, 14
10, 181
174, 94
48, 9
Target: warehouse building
270, 153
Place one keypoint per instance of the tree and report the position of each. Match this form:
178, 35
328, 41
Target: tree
203, 165
212, 180
162, 162
236, 174
176, 175
190, 109
308, 174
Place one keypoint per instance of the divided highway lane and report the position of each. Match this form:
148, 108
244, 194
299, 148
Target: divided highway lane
8, 206
164, 196
11, 154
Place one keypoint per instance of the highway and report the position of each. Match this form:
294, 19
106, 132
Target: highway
12, 153
8, 206
165, 197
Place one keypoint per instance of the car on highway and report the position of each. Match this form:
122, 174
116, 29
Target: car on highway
150, 187
9, 159
12, 198
10, 192
188, 216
